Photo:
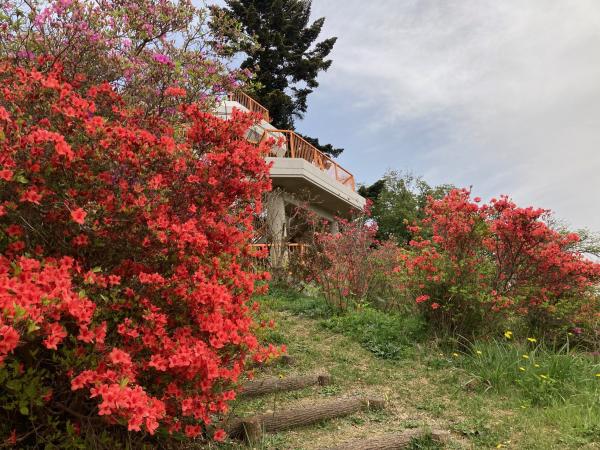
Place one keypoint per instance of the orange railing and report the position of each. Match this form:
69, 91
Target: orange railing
292, 248
296, 147
284, 254
250, 104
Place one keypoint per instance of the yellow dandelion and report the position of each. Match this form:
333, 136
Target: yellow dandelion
508, 334
523, 407
545, 377
478, 352
532, 339
525, 356
536, 365
455, 355
598, 375
522, 369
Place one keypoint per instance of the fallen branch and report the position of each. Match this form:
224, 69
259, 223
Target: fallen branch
276, 384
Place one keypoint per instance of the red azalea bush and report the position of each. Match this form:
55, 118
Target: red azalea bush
122, 289
469, 263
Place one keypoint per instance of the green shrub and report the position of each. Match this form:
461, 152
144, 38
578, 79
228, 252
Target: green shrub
387, 335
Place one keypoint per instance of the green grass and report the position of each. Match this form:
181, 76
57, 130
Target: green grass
424, 443
542, 376
483, 399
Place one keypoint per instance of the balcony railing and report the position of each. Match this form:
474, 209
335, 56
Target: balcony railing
293, 248
265, 257
296, 147
250, 104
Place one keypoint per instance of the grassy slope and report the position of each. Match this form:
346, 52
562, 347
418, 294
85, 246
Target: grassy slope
422, 389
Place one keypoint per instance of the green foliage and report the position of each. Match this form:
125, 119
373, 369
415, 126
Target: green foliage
399, 199
286, 56
424, 443
287, 300
387, 335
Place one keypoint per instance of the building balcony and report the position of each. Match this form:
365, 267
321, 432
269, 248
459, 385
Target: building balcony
298, 167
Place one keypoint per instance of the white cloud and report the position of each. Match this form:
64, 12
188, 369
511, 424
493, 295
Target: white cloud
508, 93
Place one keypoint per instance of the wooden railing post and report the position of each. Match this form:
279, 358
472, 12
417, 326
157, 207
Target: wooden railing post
292, 144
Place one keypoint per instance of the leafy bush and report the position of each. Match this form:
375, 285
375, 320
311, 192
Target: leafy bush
123, 293
387, 335
384, 291
352, 267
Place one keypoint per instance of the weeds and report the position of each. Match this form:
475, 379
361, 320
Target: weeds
387, 335
542, 375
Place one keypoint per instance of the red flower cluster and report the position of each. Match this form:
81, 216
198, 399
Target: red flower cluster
474, 260
35, 296
121, 249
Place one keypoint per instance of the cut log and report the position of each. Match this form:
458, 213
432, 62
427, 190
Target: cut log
252, 431
394, 441
292, 418
276, 384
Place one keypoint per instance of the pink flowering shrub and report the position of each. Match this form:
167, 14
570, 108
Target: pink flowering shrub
342, 265
154, 53
124, 300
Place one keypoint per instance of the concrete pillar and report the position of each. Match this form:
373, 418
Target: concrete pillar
334, 227
277, 226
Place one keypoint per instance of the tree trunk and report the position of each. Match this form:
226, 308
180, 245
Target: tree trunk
393, 441
286, 419
276, 384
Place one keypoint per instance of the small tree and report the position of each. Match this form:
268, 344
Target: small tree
343, 267
398, 201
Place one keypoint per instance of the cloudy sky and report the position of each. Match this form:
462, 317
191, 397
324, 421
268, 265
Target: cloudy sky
500, 95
